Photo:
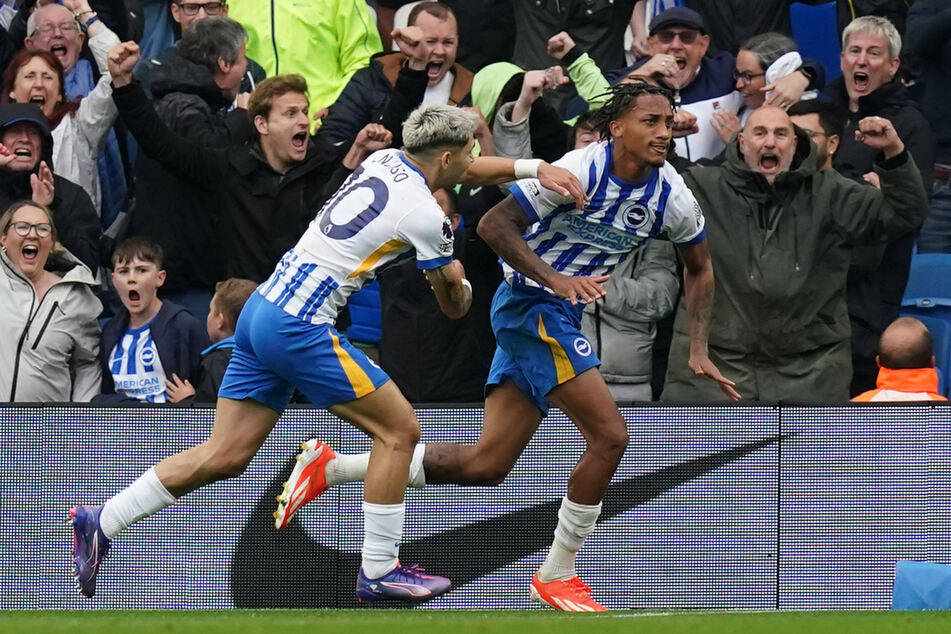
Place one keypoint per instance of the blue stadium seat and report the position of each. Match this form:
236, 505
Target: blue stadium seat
941, 339
928, 291
815, 31
365, 315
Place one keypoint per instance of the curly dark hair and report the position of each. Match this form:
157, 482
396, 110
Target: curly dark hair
624, 98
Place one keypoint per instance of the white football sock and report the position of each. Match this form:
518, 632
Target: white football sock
417, 477
353, 468
575, 523
144, 497
347, 468
382, 532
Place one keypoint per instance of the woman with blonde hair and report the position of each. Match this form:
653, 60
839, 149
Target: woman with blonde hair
48, 310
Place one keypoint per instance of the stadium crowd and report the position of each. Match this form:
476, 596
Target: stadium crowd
140, 215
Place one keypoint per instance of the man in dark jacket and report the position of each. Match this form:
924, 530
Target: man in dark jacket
394, 84
781, 234
203, 9
27, 144
267, 190
193, 89
869, 87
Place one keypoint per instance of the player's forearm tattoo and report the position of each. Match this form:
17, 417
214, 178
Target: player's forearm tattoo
441, 463
456, 290
701, 308
704, 305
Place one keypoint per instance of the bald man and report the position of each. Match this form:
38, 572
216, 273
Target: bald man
780, 232
906, 362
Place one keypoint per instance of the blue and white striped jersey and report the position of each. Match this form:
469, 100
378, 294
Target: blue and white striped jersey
136, 366
384, 210
617, 219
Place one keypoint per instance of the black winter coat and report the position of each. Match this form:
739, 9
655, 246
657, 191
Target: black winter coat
878, 273
180, 215
262, 212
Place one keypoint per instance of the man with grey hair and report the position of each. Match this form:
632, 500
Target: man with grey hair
869, 87
193, 89
286, 339
187, 15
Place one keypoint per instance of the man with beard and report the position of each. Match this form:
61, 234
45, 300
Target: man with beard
822, 123
781, 234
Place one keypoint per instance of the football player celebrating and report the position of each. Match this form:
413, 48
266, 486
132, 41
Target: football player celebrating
285, 338
556, 257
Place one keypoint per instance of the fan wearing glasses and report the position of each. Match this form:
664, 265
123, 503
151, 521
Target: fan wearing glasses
61, 29
188, 13
48, 310
761, 60
678, 45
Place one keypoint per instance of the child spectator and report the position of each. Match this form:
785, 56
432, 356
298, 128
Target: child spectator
223, 311
152, 340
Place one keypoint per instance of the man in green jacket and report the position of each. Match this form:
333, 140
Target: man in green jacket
781, 232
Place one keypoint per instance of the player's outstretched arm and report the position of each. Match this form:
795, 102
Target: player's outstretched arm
698, 291
493, 170
502, 228
452, 289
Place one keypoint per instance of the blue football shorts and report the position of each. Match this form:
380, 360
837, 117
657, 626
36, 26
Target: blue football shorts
275, 352
539, 344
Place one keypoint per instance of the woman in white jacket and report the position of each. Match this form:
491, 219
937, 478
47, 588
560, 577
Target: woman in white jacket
49, 313
79, 129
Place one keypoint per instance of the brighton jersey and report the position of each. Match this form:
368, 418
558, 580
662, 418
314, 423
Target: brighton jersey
617, 219
382, 211
136, 367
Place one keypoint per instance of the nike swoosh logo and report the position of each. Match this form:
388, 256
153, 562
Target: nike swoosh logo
289, 569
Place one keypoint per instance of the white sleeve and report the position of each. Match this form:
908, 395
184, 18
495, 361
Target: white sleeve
683, 218
96, 114
429, 231
100, 44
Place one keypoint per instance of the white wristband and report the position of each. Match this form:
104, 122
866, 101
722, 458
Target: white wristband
466, 283
527, 168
